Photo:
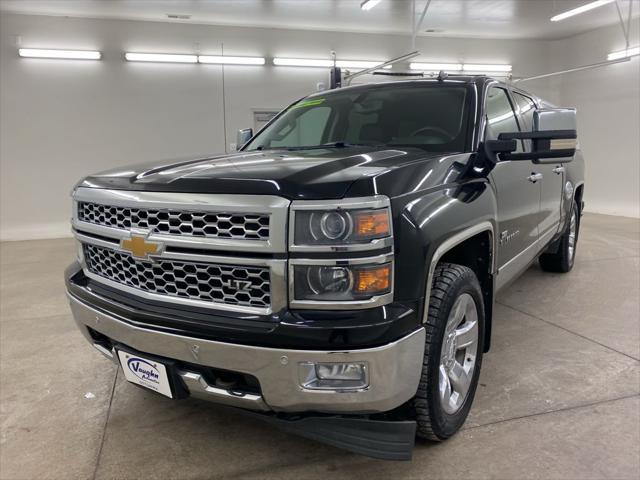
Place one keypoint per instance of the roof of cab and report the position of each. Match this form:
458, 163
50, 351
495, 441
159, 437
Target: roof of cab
449, 79
478, 80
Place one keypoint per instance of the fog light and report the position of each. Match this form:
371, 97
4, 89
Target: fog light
334, 376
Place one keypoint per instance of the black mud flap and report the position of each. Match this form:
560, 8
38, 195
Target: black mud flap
387, 440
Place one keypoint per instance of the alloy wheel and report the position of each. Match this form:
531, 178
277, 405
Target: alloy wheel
459, 353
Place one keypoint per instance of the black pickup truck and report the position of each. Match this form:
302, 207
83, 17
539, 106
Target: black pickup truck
335, 276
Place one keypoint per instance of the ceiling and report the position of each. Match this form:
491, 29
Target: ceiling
450, 18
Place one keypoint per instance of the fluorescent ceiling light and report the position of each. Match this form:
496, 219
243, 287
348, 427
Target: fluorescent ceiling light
369, 4
160, 57
231, 60
436, 67
476, 67
62, 54
301, 62
326, 63
630, 52
579, 10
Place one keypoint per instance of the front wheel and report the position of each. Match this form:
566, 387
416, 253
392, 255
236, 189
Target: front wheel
453, 352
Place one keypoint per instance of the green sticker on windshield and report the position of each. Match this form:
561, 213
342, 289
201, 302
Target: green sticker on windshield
309, 103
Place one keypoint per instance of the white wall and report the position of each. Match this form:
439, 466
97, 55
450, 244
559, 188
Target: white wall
608, 105
60, 120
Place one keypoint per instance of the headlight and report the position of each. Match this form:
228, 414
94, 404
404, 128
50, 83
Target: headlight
323, 282
363, 282
350, 223
335, 235
341, 226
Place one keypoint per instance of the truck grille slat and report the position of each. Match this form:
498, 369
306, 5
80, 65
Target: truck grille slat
240, 226
208, 282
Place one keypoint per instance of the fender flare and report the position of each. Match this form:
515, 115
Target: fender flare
449, 244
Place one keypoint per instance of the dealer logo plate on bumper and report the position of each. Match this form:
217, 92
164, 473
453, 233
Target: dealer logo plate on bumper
147, 373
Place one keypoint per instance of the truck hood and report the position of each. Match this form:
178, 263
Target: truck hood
308, 174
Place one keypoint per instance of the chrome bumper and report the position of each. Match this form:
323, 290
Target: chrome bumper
394, 369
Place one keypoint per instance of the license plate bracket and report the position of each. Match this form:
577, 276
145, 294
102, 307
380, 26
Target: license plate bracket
152, 373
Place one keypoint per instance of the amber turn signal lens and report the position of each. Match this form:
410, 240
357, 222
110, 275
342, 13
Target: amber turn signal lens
372, 223
373, 280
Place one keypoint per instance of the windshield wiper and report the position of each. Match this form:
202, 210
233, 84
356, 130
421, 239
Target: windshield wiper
321, 146
329, 145
421, 146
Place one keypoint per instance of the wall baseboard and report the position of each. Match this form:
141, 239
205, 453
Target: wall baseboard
36, 232
612, 210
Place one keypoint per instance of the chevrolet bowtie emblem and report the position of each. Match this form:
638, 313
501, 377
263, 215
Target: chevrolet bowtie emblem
139, 246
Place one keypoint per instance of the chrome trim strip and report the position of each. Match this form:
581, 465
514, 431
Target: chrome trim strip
447, 245
277, 269
376, 244
198, 387
552, 230
374, 301
394, 368
510, 270
187, 257
307, 375
275, 207
181, 241
107, 353
377, 201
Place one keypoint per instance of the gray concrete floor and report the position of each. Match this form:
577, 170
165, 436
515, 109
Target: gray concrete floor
559, 392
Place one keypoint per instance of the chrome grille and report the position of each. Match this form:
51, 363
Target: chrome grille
215, 283
242, 226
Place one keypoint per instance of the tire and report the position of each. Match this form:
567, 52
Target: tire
562, 261
453, 286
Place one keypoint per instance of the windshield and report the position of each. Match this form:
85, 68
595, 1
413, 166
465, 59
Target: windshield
433, 117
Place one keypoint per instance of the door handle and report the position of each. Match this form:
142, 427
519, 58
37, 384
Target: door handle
534, 177
558, 170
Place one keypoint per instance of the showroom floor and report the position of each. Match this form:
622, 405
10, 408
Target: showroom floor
558, 398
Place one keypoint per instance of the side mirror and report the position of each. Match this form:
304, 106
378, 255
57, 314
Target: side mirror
553, 140
243, 136
490, 149
558, 145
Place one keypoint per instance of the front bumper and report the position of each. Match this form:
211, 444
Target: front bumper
394, 368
